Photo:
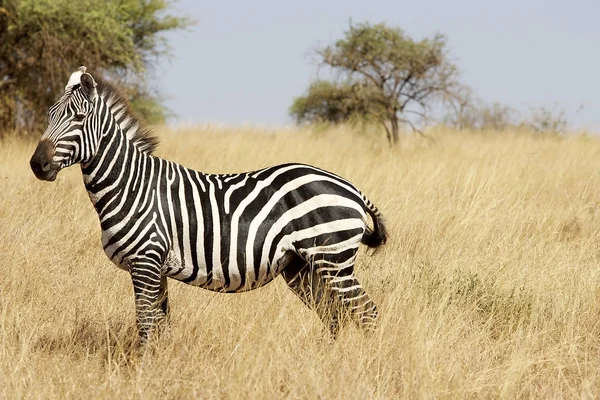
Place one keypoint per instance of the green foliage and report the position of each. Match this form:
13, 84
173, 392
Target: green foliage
147, 103
43, 41
394, 78
328, 102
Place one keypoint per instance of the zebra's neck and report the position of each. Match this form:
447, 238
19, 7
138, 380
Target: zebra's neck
110, 170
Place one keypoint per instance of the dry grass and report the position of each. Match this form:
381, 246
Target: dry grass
488, 288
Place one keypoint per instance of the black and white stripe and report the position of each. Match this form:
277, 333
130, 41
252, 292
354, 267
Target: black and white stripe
227, 233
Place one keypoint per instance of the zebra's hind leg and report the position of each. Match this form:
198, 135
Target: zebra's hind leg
310, 288
337, 271
151, 298
356, 302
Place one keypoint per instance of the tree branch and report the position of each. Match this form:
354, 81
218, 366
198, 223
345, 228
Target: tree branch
416, 130
401, 83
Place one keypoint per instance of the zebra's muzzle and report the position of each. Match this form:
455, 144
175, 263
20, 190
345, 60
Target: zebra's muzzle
41, 162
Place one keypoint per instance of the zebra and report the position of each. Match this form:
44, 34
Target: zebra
223, 232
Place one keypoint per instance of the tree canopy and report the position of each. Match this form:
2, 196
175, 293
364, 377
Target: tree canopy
43, 41
328, 102
385, 75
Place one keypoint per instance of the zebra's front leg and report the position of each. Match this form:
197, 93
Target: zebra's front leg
151, 298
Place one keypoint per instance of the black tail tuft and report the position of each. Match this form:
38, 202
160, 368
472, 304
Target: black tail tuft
378, 235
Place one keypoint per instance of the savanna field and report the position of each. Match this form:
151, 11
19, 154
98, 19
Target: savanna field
488, 287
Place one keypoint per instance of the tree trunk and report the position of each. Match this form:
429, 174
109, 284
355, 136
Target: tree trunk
387, 131
395, 131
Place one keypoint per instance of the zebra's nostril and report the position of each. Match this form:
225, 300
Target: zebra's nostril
39, 167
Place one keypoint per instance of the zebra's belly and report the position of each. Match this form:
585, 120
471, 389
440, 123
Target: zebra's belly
221, 278
193, 269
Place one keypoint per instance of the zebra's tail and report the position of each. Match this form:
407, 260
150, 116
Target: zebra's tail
378, 235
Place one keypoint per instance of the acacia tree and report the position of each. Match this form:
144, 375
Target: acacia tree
43, 41
395, 79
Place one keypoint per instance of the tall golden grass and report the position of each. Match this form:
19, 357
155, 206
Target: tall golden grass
488, 288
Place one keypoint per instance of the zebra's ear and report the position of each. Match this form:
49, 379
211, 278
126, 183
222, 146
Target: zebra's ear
88, 86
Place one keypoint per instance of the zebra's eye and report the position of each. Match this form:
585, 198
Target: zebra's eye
79, 117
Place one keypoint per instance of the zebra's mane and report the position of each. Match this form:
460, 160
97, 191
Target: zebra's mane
131, 125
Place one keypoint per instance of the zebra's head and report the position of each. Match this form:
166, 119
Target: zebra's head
68, 139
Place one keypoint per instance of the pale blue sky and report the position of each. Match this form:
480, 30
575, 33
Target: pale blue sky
245, 60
